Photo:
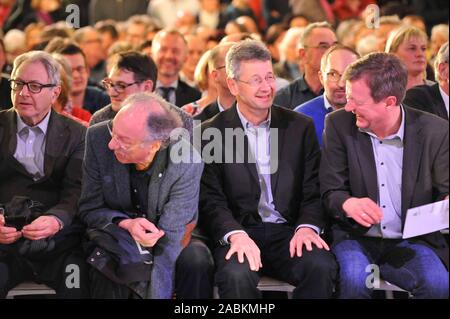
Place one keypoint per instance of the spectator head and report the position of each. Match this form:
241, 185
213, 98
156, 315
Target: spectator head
410, 45
196, 48
33, 34
297, 21
169, 51
35, 85
250, 76
90, 42
439, 35
387, 25
185, 22
141, 128
131, 72
46, 5
108, 34
375, 85
248, 24
289, 46
137, 28
415, 21
216, 65
367, 45
441, 66
15, 44
77, 60
333, 65
315, 40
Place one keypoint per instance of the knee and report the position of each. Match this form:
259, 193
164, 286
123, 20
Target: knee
236, 273
320, 263
432, 285
196, 258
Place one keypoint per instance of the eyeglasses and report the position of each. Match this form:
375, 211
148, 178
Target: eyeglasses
320, 46
122, 145
256, 81
334, 76
118, 87
33, 87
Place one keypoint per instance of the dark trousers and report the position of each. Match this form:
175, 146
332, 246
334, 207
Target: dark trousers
104, 288
67, 274
195, 272
313, 274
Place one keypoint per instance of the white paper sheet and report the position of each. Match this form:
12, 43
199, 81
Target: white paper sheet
426, 219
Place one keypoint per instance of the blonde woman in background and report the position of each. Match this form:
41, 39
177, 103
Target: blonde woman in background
410, 44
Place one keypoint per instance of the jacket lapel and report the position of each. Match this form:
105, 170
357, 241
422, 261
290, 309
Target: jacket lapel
277, 139
154, 187
57, 138
412, 156
439, 102
364, 152
233, 121
8, 132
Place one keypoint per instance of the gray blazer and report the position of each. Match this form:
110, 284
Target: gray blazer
173, 196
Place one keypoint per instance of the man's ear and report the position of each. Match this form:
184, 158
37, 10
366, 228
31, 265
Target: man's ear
232, 86
392, 101
55, 94
321, 79
149, 86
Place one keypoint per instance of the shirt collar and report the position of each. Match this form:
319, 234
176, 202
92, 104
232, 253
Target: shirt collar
43, 125
399, 134
172, 85
246, 124
327, 104
221, 108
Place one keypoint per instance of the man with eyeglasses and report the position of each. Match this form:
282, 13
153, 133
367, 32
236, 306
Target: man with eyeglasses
131, 72
40, 160
333, 64
315, 40
225, 99
259, 195
379, 159
139, 199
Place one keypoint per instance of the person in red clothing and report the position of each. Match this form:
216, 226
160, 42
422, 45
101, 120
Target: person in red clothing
5, 10
350, 9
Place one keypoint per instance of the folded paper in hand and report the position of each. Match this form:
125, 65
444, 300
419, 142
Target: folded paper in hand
426, 219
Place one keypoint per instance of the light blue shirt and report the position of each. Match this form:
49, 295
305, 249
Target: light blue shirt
388, 154
30, 148
259, 143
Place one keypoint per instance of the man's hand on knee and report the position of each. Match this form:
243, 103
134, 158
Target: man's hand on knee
243, 245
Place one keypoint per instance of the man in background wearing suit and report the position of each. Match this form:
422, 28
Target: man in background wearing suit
379, 159
40, 158
169, 50
434, 98
134, 191
263, 210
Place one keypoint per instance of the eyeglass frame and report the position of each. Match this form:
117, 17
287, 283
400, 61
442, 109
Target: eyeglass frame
255, 85
109, 125
13, 82
320, 46
107, 82
330, 78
